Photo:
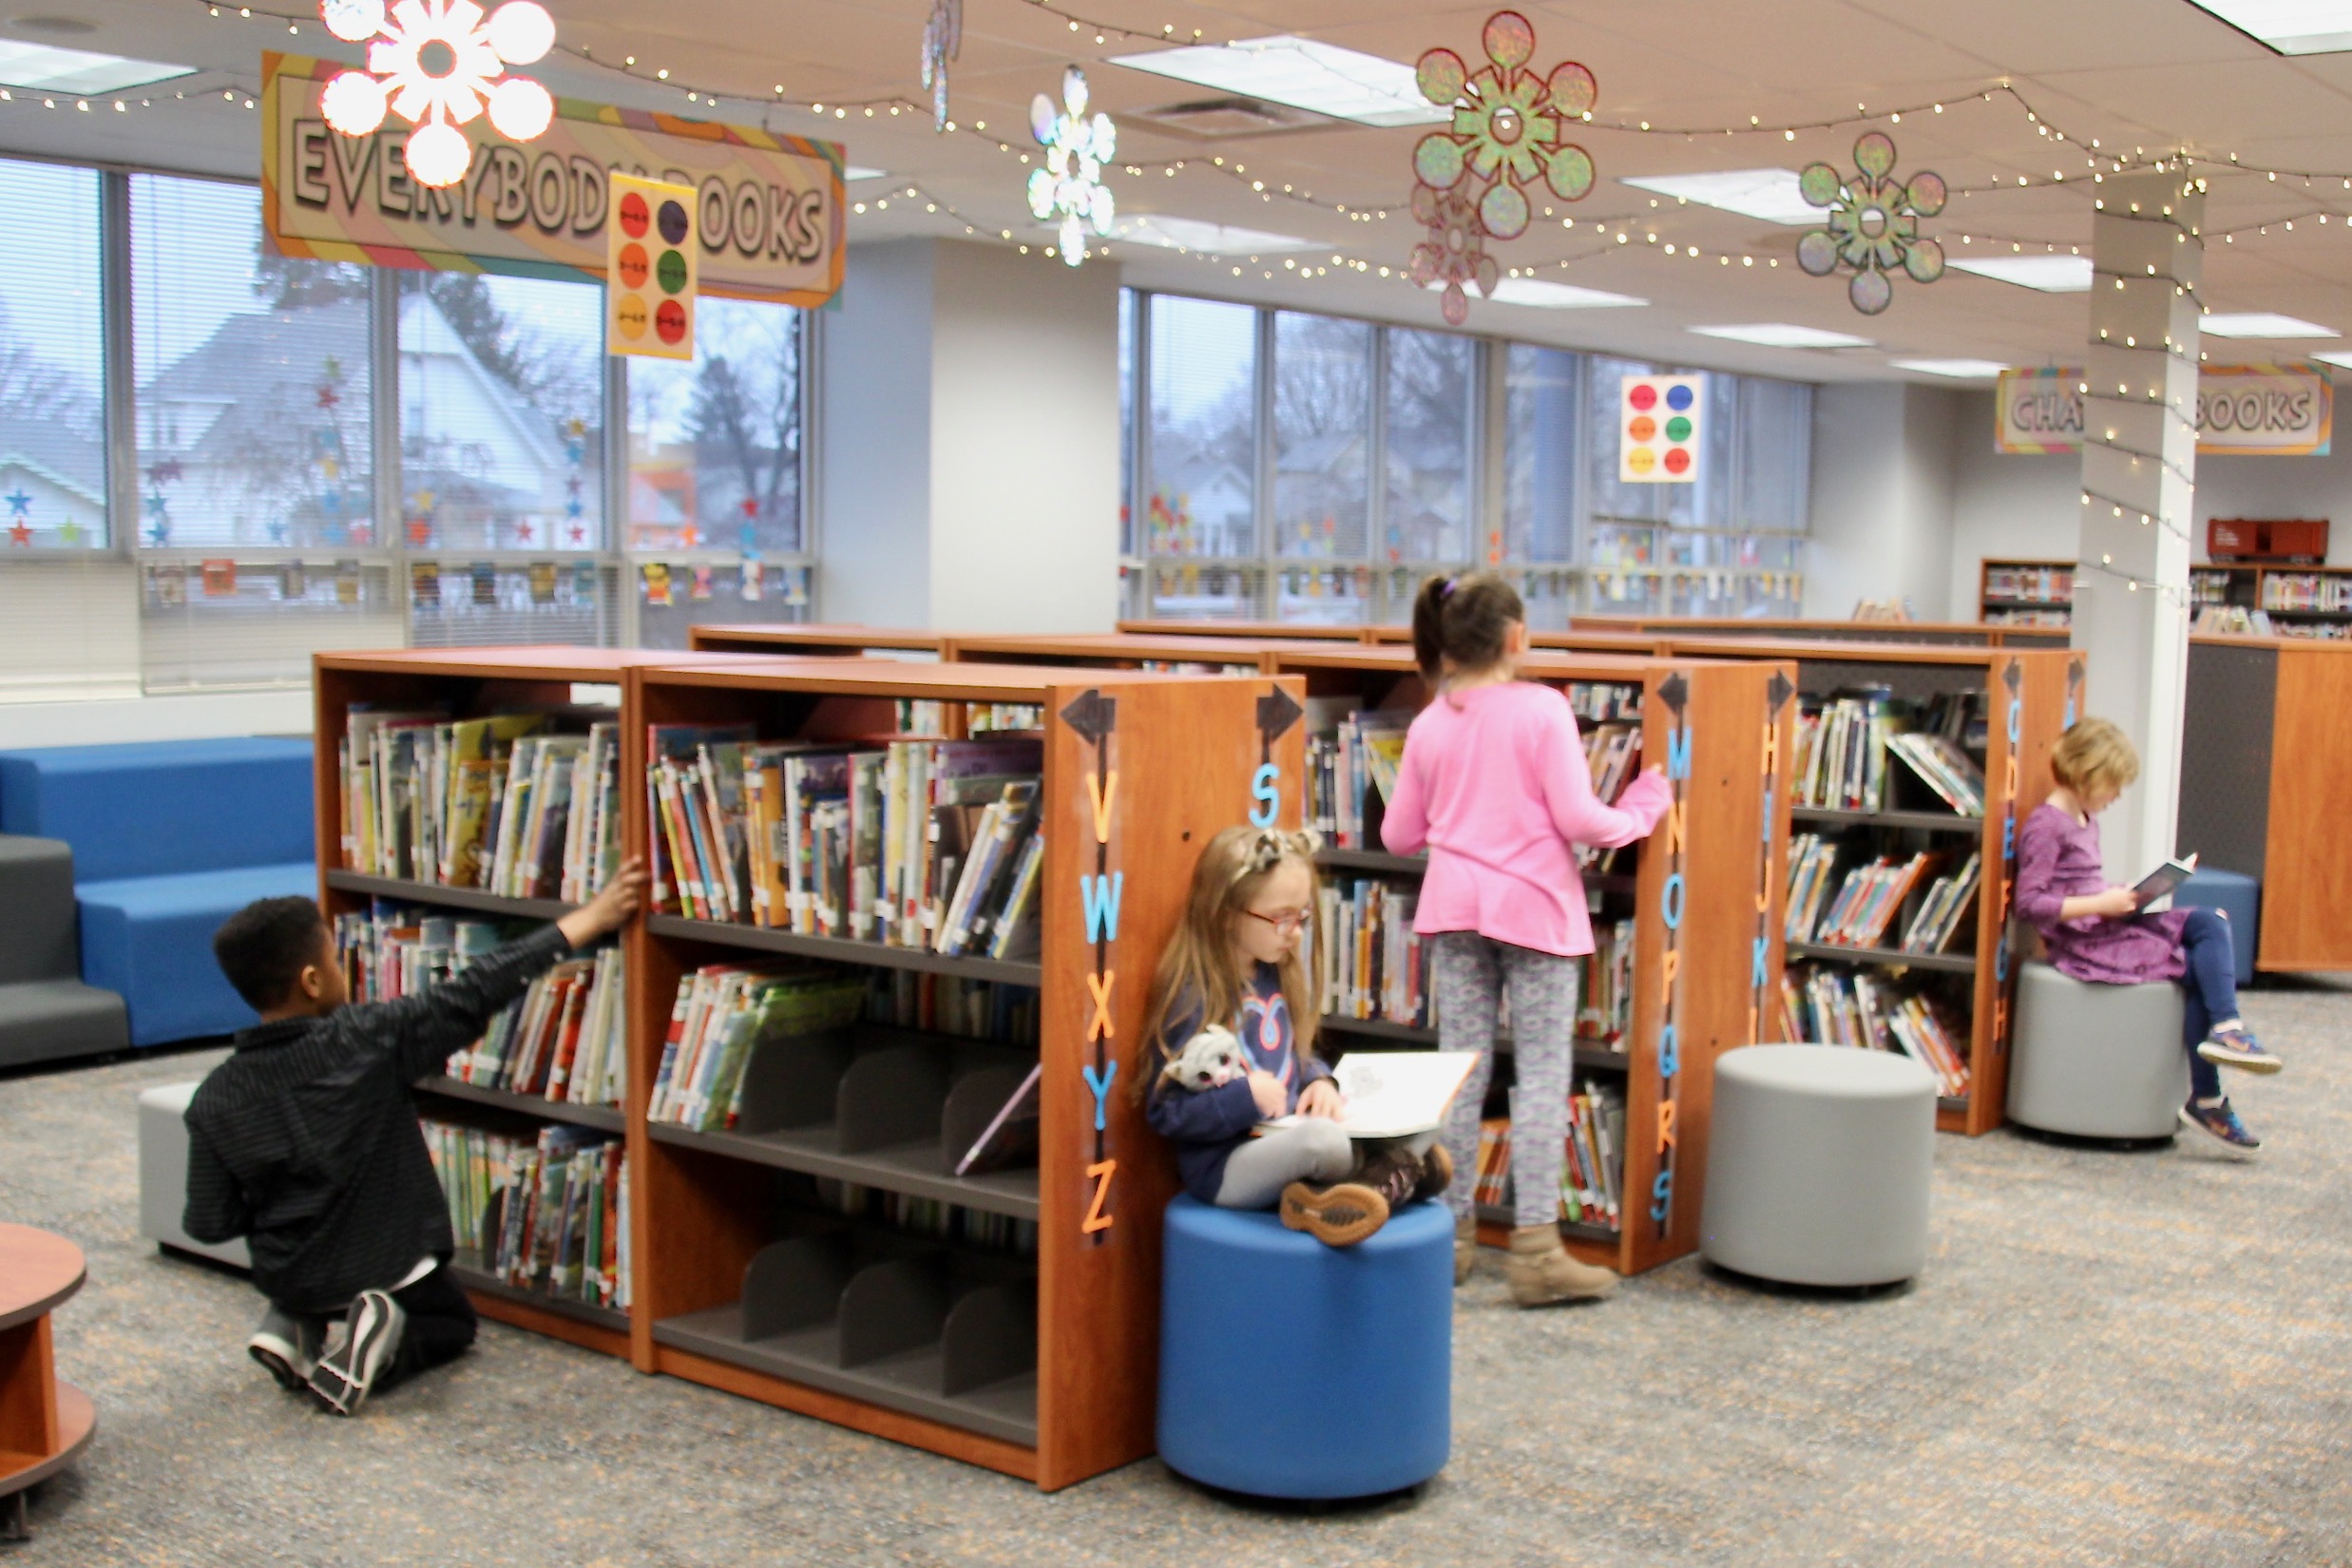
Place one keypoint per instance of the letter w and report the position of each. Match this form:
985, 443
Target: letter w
1100, 895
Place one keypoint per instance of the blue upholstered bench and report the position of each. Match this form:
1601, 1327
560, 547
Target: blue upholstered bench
1291, 1369
170, 839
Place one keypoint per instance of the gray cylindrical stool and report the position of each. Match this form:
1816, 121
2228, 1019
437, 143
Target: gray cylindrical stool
2097, 1060
1819, 1159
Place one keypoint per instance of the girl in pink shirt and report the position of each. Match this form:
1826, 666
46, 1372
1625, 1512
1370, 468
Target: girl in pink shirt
1494, 784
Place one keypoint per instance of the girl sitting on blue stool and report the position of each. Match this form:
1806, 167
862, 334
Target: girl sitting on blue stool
1241, 961
2096, 931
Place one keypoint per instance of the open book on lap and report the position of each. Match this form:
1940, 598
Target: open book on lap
1395, 1094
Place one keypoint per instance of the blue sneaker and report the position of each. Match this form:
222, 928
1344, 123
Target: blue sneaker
2236, 1046
2221, 1122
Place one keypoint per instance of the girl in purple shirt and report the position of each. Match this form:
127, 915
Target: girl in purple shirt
2096, 932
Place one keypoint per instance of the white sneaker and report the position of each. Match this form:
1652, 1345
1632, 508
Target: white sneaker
287, 1345
341, 1380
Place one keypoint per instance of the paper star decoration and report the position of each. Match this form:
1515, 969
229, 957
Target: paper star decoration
19, 503
69, 532
1070, 180
437, 64
20, 532
1873, 223
1506, 136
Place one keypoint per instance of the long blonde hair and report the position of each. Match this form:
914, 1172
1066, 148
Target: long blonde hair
1197, 968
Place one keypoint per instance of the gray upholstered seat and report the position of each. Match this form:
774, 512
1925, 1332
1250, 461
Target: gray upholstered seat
164, 1174
1819, 1161
2097, 1060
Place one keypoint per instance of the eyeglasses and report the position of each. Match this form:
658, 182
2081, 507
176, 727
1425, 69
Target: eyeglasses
1298, 920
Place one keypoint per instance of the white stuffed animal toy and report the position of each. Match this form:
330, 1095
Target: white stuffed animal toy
1210, 1060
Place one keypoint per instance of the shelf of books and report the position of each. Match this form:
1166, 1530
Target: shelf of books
1969, 634
1622, 638
1314, 630
812, 642
2025, 593
1171, 653
1686, 924
464, 796
1913, 766
887, 1170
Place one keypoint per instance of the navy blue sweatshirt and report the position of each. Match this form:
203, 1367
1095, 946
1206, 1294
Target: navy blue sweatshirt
1207, 1126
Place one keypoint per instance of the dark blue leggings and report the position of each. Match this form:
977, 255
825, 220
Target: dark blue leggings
2208, 991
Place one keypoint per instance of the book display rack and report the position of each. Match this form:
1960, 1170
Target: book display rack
2307, 601
2004, 708
821, 1253
1697, 906
1194, 655
1970, 634
2025, 593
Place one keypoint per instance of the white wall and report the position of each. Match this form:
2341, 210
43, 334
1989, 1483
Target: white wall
970, 436
1882, 498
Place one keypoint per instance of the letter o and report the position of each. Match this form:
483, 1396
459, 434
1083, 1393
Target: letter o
712, 213
750, 218
551, 191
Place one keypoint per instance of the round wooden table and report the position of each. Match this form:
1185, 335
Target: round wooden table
44, 1422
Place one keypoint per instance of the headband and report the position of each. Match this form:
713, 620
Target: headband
1269, 845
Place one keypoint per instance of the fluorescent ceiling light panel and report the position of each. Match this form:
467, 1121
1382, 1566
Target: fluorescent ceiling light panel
2338, 357
2260, 324
1783, 335
1542, 295
851, 172
2050, 273
1769, 194
2290, 27
1302, 73
1190, 233
37, 67
1965, 370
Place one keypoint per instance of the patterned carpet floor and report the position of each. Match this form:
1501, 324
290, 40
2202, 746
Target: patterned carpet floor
2113, 1357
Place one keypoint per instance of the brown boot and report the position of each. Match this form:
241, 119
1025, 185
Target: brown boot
1541, 1271
1437, 1172
1339, 1214
1465, 1247
1396, 1173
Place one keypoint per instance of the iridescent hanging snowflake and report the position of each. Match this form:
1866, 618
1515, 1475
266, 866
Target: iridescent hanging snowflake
943, 39
1506, 136
1455, 252
1873, 224
1070, 183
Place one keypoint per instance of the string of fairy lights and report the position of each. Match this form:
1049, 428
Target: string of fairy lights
1617, 233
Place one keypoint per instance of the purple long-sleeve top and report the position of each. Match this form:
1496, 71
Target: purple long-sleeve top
2058, 859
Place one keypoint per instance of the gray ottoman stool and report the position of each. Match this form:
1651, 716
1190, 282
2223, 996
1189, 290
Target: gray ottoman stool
2097, 1060
1819, 1161
164, 1175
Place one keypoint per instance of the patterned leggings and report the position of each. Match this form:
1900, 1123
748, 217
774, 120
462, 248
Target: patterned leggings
1469, 973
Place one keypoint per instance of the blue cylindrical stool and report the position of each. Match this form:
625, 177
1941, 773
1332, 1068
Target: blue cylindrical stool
1292, 1369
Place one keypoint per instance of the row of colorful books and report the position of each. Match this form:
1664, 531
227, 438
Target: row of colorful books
1871, 897
932, 1217
1827, 1005
1591, 1173
952, 1004
725, 1012
550, 1214
1840, 762
1603, 702
563, 1040
525, 805
1373, 965
912, 843
927, 716
1349, 767
1939, 763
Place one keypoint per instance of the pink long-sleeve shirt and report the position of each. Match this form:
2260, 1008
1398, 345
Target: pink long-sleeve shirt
1494, 783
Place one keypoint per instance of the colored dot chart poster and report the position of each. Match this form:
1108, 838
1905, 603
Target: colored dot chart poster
1659, 429
650, 270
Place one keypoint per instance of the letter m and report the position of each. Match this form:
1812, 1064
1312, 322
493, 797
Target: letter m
1678, 751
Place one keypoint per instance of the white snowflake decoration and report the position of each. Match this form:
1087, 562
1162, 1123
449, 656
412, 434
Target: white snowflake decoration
438, 64
1071, 181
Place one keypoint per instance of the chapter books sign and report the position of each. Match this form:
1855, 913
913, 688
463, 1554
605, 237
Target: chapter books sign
650, 268
2247, 410
766, 211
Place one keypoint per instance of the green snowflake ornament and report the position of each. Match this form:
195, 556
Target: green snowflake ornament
1873, 223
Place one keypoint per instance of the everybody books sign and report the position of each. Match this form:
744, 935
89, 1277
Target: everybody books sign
767, 210
2260, 411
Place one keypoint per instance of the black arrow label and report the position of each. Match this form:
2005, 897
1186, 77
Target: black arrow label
1276, 712
1674, 691
1092, 715
1778, 693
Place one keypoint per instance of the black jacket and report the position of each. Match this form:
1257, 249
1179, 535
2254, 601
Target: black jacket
306, 1142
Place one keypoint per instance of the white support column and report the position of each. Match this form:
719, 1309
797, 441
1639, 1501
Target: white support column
2139, 455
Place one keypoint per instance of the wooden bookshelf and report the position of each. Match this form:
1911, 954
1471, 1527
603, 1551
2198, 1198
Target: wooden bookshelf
1970, 634
471, 681
1728, 880
2021, 594
1288, 630
2029, 695
1234, 655
1578, 638
810, 641
1042, 1368
2264, 751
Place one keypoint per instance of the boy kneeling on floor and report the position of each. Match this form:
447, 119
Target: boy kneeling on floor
305, 1142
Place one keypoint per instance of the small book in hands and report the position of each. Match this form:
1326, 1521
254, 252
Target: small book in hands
2161, 882
1394, 1094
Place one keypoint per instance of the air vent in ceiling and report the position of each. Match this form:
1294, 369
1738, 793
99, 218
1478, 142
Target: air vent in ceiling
1214, 118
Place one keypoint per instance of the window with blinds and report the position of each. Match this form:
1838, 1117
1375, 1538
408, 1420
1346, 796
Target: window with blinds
52, 368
